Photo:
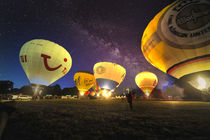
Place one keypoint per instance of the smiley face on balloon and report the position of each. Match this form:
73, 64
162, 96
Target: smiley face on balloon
44, 61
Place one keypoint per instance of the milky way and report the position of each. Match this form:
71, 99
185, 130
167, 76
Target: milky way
92, 31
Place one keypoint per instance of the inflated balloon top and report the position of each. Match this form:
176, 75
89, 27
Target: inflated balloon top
109, 75
146, 81
177, 40
84, 80
44, 61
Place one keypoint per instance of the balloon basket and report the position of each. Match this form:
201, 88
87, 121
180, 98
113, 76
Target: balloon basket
37, 91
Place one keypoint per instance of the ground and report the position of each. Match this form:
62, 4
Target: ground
108, 119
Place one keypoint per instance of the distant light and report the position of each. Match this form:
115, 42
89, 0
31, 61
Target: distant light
109, 93
147, 93
106, 87
36, 90
97, 95
40, 92
201, 82
82, 93
106, 95
104, 92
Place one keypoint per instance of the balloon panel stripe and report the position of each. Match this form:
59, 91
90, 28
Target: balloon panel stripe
186, 62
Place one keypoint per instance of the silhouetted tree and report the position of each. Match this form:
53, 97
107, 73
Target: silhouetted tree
74, 91
15, 91
53, 90
157, 94
175, 92
56, 90
70, 91
66, 91
137, 92
5, 87
27, 90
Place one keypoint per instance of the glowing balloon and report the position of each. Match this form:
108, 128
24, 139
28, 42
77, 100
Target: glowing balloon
146, 81
44, 61
87, 93
92, 93
108, 75
84, 80
96, 88
177, 40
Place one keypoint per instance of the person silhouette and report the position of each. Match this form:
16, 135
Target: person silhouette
129, 99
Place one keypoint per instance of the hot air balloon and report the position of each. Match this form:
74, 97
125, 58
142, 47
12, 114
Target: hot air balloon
177, 40
108, 75
84, 80
44, 62
146, 81
96, 88
92, 93
86, 93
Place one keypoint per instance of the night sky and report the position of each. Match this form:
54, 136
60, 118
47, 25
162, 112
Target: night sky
91, 30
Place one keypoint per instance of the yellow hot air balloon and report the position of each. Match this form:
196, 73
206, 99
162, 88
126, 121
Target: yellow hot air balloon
44, 61
84, 80
108, 75
177, 40
146, 81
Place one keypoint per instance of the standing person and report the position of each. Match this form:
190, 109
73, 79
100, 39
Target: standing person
129, 99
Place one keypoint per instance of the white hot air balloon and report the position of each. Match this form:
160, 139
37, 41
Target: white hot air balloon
44, 62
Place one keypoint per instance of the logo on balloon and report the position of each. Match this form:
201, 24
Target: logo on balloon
23, 58
188, 22
45, 60
100, 70
88, 81
193, 17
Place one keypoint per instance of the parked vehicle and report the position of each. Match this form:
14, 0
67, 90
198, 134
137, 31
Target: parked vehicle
14, 97
64, 97
48, 96
25, 97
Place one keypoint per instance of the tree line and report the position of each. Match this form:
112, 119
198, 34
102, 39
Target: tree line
189, 92
6, 87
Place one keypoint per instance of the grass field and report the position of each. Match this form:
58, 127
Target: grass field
108, 119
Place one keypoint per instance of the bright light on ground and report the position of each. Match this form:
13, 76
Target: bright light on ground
106, 93
147, 93
201, 82
109, 93
36, 90
82, 93
105, 87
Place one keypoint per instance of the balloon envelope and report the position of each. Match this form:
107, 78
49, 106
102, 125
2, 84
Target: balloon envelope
108, 75
177, 40
44, 61
84, 80
96, 88
92, 93
146, 81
